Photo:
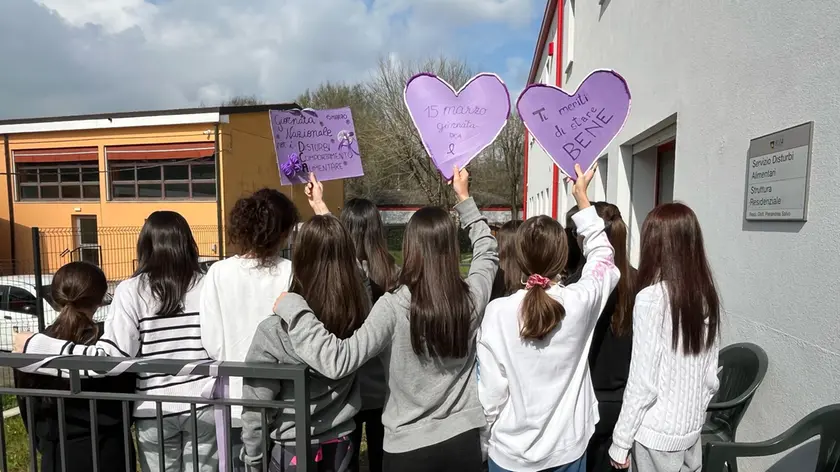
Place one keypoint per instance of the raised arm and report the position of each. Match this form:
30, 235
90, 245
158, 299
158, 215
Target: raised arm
265, 347
320, 349
599, 275
641, 391
315, 194
485, 258
210, 316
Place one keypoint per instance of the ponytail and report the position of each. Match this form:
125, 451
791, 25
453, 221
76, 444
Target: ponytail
540, 313
74, 325
542, 252
621, 322
78, 288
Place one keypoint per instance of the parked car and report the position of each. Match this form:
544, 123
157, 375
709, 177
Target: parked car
17, 306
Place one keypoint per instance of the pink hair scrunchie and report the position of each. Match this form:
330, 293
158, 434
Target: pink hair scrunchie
537, 280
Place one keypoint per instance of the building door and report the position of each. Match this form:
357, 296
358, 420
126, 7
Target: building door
87, 240
652, 180
665, 155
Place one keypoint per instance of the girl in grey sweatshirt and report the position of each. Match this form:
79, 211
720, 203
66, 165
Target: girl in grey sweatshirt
424, 333
326, 274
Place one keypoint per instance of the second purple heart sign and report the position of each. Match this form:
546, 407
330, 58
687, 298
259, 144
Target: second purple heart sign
456, 126
572, 128
576, 128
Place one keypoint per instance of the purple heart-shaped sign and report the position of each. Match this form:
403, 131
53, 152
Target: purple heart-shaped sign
575, 129
456, 126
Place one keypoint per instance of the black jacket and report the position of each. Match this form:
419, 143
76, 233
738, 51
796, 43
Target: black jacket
77, 422
609, 355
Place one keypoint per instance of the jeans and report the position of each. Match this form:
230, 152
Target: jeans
179, 448
576, 466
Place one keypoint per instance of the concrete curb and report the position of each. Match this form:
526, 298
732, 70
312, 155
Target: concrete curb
11, 412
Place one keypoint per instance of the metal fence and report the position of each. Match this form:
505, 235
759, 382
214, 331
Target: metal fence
113, 249
297, 374
26, 302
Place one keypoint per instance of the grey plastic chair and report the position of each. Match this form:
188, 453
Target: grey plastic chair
825, 423
742, 369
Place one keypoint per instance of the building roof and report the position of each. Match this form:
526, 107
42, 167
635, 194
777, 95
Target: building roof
133, 118
545, 28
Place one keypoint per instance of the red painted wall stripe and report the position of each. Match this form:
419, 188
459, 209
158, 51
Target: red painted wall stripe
525, 179
555, 191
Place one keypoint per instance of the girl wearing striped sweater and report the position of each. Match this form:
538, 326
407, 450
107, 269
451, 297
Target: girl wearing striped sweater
154, 314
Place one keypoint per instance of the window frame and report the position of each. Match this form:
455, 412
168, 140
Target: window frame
81, 169
116, 166
8, 297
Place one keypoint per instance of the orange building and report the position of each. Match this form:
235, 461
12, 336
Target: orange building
88, 182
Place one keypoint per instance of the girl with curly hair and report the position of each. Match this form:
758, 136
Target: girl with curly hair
239, 292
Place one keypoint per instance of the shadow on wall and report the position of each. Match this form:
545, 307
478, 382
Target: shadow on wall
604, 5
21, 261
772, 226
800, 459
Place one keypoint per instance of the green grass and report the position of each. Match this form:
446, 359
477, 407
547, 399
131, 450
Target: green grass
9, 401
17, 445
465, 261
17, 441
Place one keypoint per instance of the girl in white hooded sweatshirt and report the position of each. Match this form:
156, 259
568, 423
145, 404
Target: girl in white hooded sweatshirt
534, 382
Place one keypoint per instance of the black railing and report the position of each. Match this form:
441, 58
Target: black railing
298, 374
25, 302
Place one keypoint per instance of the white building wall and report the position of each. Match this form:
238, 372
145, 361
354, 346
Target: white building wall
726, 72
540, 166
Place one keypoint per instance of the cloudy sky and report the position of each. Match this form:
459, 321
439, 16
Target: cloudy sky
87, 56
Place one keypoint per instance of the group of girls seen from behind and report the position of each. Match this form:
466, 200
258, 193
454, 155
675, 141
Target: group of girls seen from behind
447, 379
647, 352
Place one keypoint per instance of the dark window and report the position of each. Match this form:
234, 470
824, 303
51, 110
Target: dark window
174, 172
50, 192
71, 191
51, 181
175, 179
21, 301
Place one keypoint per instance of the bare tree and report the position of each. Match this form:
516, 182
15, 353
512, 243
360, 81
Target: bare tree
243, 101
402, 151
509, 147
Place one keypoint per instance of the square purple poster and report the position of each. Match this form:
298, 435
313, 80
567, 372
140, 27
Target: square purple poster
319, 141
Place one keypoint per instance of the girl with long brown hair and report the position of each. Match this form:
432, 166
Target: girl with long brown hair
327, 277
424, 332
673, 372
364, 223
534, 381
509, 277
78, 289
612, 342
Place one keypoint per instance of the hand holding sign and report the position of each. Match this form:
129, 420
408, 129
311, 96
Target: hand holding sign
456, 126
575, 129
314, 191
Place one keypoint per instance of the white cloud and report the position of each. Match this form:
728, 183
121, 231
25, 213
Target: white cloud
71, 56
